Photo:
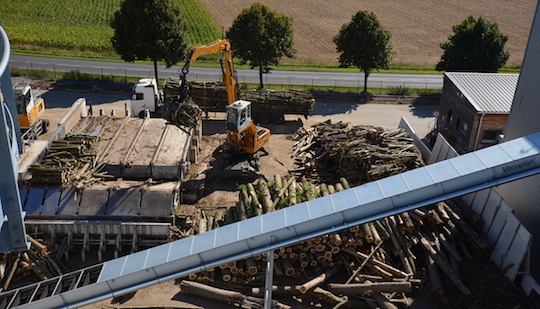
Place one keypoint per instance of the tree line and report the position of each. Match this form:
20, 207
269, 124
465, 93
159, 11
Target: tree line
155, 30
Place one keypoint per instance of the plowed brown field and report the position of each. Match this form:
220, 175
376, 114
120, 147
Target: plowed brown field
417, 26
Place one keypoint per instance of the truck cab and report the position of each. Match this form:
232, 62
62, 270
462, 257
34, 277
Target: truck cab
145, 96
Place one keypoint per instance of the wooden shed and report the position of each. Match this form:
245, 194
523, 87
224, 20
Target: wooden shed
474, 108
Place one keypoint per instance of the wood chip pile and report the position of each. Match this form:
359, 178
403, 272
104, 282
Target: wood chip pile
212, 95
328, 151
437, 250
69, 160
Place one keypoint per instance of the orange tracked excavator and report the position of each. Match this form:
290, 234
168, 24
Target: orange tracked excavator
243, 136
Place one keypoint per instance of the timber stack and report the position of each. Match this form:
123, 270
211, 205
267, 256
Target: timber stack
360, 154
69, 160
212, 96
384, 262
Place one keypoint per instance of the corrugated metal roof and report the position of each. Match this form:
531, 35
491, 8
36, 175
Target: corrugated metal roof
487, 92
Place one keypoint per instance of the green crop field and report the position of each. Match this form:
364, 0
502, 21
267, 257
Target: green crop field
84, 24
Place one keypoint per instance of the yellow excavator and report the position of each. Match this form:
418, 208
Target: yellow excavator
243, 136
30, 110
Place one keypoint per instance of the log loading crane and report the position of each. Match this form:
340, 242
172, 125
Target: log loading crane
243, 136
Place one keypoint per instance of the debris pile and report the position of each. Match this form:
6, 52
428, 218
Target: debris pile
328, 151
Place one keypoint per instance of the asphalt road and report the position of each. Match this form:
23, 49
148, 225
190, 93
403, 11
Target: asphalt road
353, 80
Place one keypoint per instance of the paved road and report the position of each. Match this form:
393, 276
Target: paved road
353, 80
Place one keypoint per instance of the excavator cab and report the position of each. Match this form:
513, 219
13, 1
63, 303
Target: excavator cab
238, 115
30, 110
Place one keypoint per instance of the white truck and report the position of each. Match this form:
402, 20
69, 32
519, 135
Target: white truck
146, 96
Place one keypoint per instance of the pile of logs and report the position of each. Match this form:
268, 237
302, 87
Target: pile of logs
212, 96
359, 153
183, 115
384, 262
38, 261
69, 160
285, 101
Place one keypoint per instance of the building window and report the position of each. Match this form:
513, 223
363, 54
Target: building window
462, 126
449, 119
490, 137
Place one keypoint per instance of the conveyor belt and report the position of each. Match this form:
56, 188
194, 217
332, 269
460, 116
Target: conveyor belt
423, 186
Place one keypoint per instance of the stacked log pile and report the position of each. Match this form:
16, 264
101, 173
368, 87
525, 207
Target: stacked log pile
69, 160
39, 261
210, 95
385, 262
284, 101
358, 153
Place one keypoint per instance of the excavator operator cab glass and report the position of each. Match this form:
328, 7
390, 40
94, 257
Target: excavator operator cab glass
238, 116
23, 97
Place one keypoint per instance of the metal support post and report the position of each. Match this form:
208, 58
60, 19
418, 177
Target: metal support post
12, 229
269, 279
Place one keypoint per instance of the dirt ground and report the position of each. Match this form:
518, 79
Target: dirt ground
417, 27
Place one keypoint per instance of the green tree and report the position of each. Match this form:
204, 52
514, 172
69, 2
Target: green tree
364, 43
149, 30
477, 45
261, 37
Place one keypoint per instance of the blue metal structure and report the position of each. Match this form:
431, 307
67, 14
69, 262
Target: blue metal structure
12, 230
474, 171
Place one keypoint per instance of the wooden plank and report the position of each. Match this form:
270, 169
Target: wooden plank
491, 208
504, 242
517, 252
479, 201
499, 220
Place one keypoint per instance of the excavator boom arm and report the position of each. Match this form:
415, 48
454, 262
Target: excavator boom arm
229, 73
